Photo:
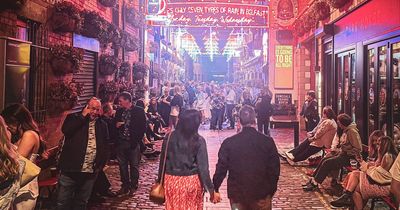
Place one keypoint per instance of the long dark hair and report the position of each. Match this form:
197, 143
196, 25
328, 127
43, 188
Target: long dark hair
386, 146
189, 123
188, 127
19, 115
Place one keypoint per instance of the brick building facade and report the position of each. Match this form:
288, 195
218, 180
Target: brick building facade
32, 23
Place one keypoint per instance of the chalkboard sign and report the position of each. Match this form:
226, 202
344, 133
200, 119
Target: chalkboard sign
283, 99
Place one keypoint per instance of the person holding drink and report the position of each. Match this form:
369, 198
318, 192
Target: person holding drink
372, 180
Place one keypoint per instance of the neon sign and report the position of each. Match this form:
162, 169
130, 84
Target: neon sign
204, 14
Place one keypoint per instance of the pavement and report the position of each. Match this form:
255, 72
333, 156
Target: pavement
289, 195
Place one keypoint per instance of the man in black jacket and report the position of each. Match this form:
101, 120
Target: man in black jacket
310, 111
253, 164
131, 125
83, 154
264, 111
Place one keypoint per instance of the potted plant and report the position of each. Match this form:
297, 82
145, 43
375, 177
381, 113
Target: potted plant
125, 86
140, 71
65, 59
93, 24
108, 3
124, 69
129, 42
133, 17
108, 64
64, 96
11, 4
321, 10
309, 21
66, 18
338, 3
111, 34
108, 91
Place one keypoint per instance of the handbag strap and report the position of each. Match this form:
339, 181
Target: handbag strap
165, 159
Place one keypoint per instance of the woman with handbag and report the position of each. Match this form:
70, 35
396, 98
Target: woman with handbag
184, 165
11, 168
373, 180
25, 135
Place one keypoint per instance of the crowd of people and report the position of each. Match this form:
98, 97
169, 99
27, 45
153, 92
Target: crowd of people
217, 103
174, 114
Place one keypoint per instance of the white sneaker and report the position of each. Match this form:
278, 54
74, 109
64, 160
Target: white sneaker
289, 155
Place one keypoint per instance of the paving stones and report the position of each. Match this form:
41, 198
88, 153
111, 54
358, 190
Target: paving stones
289, 195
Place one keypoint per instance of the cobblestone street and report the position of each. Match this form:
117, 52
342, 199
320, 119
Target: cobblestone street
289, 195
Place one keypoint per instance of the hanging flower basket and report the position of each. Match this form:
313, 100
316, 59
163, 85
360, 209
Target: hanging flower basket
127, 87
299, 28
108, 91
140, 71
65, 59
12, 4
108, 64
321, 10
93, 24
66, 18
133, 17
129, 42
108, 3
110, 35
337, 4
64, 96
310, 22
124, 70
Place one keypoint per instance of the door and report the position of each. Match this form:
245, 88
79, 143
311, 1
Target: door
345, 80
384, 88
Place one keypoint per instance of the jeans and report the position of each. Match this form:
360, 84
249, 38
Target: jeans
330, 164
263, 125
263, 204
304, 151
102, 184
128, 157
217, 116
229, 114
311, 124
74, 190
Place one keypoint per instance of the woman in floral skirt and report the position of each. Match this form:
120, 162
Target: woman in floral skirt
186, 171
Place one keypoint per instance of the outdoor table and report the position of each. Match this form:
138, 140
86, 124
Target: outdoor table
288, 121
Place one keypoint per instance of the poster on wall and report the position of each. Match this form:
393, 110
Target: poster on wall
284, 67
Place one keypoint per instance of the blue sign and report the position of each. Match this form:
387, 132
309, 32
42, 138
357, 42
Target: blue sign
86, 43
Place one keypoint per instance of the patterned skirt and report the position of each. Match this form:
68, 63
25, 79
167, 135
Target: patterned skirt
369, 190
183, 192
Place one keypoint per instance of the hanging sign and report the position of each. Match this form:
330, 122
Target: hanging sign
284, 66
204, 14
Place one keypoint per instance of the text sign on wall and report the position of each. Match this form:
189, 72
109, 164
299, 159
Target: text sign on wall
199, 14
284, 66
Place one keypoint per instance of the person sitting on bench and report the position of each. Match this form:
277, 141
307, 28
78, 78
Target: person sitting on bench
372, 181
350, 147
319, 138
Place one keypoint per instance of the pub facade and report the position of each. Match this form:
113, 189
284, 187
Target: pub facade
356, 58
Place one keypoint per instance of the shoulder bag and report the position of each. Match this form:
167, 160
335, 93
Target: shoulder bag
31, 171
157, 193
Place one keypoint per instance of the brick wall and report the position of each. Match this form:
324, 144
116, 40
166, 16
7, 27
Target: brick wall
51, 131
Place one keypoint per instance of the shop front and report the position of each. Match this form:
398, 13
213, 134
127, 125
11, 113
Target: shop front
361, 69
